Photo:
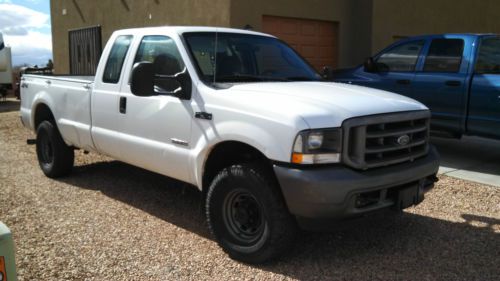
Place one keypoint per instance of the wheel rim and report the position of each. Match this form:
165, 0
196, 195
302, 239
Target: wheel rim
47, 150
243, 216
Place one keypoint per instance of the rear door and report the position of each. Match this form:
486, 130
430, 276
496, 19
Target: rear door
484, 104
441, 83
107, 120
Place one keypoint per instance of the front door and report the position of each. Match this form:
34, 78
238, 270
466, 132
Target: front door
395, 68
158, 128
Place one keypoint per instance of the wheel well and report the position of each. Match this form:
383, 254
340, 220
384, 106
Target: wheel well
229, 153
43, 113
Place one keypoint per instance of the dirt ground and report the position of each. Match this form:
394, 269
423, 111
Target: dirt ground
113, 221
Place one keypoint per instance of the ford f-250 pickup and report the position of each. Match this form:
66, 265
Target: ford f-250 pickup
241, 116
456, 75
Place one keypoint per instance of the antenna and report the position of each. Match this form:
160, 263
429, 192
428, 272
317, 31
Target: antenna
215, 55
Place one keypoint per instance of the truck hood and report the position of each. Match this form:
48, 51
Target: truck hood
321, 104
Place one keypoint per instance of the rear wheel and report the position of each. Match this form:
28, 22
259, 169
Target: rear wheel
247, 215
54, 156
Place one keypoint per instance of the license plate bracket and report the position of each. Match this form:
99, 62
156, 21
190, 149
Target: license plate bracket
407, 197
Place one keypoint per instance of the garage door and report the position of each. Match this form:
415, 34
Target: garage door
315, 40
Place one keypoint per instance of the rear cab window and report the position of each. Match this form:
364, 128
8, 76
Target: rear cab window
445, 55
116, 58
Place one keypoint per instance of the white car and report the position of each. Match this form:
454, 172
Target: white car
242, 117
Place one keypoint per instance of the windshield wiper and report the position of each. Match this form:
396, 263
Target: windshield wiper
248, 78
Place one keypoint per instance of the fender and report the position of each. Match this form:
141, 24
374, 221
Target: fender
41, 98
269, 143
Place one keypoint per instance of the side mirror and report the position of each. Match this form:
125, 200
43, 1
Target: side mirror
145, 82
2, 45
3, 55
370, 65
142, 83
327, 73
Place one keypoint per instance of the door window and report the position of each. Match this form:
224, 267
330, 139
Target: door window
445, 55
488, 59
113, 68
402, 58
163, 53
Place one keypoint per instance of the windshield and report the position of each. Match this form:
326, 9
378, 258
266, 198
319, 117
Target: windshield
234, 57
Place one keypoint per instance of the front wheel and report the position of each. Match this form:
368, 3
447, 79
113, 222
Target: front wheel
54, 156
247, 215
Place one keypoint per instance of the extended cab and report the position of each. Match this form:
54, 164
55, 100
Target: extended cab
456, 75
242, 117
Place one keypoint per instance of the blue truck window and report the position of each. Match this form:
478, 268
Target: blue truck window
114, 65
445, 55
488, 60
401, 58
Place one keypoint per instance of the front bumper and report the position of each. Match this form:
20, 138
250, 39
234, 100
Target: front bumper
339, 191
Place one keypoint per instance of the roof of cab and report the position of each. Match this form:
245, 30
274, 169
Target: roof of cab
184, 29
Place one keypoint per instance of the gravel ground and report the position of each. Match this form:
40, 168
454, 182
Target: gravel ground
112, 221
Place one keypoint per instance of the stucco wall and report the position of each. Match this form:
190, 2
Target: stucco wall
119, 14
416, 17
353, 17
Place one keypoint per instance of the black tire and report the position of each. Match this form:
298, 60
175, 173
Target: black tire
247, 214
54, 156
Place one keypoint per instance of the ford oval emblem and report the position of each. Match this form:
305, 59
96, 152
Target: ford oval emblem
403, 140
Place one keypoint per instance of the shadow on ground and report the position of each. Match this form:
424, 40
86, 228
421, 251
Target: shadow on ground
9, 105
469, 153
380, 247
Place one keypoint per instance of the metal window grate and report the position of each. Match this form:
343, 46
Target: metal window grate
85, 48
386, 139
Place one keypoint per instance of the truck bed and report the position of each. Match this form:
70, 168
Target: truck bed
67, 78
71, 95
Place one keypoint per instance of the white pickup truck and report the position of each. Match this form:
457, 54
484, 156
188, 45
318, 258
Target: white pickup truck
242, 117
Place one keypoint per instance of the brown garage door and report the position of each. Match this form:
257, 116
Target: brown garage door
315, 40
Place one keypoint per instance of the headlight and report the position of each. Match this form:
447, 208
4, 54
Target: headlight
317, 146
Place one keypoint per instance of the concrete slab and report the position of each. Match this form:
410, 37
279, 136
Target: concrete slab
471, 158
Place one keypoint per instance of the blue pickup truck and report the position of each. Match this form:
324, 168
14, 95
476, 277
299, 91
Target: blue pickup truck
456, 75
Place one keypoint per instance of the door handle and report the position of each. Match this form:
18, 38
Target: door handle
453, 83
403, 82
123, 105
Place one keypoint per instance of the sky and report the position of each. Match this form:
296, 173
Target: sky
25, 25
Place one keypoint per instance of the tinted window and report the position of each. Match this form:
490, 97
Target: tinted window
116, 58
445, 55
163, 53
402, 58
488, 60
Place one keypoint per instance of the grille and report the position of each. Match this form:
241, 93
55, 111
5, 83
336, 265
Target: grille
386, 139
